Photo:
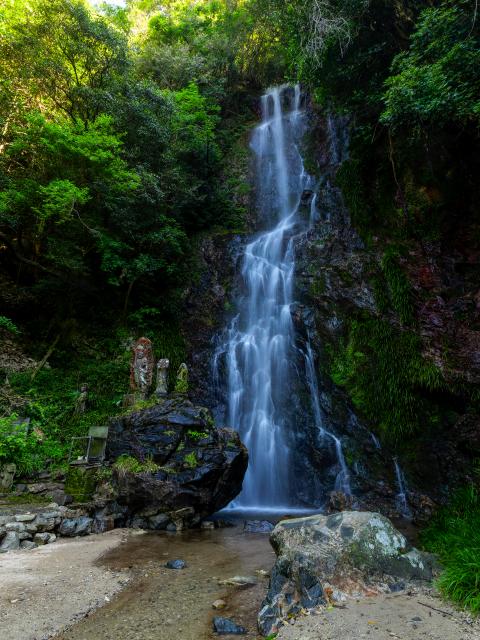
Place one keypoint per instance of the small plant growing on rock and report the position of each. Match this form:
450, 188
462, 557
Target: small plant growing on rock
128, 464
191, 460
103, 474
196, 435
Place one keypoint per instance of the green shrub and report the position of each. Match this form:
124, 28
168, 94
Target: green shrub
30, 451
53, 393
191, 460
454, 534
196, 435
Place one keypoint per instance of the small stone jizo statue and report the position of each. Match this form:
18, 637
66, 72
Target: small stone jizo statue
162, 378
82, 400
141, 368
181, 384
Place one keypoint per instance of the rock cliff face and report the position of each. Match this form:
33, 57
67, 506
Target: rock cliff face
197, 469
404, 324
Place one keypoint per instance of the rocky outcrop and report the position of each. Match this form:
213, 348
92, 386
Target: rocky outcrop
325, 558
207, 303
194, 469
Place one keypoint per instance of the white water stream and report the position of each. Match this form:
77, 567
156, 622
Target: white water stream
258, 347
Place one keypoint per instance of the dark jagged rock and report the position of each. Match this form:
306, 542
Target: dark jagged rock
224, 627
71, 527
200, 468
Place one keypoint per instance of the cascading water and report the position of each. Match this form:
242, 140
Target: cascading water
342, 481
258, 348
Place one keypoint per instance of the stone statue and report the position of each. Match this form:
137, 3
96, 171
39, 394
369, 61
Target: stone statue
82, 400
162, 378
141, 368
181, 385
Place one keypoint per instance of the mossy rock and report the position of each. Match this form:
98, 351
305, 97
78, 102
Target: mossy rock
81, 483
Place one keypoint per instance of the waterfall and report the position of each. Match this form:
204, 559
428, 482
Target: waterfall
402, 491
257, 352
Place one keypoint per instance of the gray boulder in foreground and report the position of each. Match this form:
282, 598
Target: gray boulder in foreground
321, 558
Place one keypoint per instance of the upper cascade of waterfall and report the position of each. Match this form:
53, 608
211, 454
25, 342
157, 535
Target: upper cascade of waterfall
258, 348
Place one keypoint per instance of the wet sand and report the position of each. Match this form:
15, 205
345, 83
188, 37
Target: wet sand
418, 616
43, 591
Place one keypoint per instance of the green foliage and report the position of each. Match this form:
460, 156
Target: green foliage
436, 80
107, 169
60, 55
129, 464
454, 534
32, 499
8, 325
384, 372
29, 450
399, 287
53, 393
196, 435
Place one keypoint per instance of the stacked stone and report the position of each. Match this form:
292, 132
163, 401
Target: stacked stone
35, 528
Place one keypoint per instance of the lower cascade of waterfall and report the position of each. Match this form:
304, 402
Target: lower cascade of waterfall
256, 356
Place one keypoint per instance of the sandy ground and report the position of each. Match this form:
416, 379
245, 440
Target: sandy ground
398, 617
46, 590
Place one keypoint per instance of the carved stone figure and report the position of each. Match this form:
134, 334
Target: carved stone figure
181, 385
141, 368
162, 378
82, 400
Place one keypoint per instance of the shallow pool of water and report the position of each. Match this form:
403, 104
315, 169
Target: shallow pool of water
164, 604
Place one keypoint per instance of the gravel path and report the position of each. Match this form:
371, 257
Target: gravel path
397, 617
46, 590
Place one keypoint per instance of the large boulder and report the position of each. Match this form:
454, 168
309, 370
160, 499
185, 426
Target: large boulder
352, 553
200, 468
